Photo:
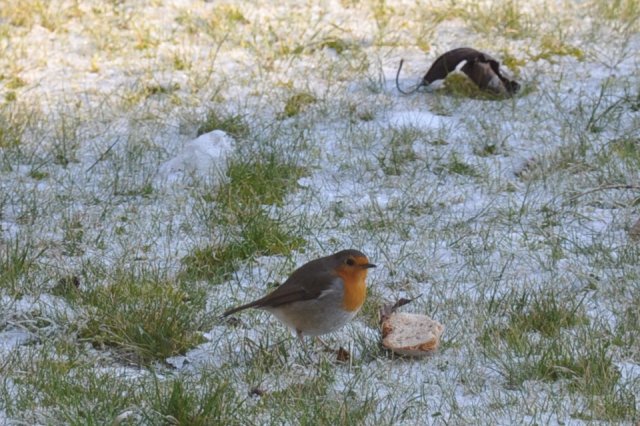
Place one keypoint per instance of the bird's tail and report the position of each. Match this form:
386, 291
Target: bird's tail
232, 311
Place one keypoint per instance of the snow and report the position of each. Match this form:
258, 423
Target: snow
417, 119
12, 338
202, 157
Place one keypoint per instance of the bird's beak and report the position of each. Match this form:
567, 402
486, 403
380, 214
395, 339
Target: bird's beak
368, 265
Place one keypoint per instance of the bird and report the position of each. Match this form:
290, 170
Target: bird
319, 297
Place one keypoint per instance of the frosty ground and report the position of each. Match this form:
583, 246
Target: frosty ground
122, 241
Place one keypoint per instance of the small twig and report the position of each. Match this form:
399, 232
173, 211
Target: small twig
403, 301
387, 309
603, 188
103, 155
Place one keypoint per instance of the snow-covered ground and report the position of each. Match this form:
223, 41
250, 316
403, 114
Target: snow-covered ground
476, 204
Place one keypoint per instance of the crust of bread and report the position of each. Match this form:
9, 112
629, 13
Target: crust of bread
411, 334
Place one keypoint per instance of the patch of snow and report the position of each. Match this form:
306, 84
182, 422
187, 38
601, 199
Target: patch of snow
629, 371
418, 119
9, 339
204, 157
44, 306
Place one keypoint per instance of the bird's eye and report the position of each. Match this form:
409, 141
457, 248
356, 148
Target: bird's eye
350, 262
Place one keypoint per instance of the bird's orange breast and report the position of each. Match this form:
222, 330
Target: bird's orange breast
355, 289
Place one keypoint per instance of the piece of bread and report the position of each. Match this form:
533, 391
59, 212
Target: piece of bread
411, 334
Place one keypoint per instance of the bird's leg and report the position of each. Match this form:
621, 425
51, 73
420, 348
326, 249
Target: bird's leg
342, 355
301, 339
324, 344
305, 348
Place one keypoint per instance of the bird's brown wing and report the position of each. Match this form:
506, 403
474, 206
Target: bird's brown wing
305, 283
295, 289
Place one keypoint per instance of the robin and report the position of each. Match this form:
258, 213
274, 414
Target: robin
320, 296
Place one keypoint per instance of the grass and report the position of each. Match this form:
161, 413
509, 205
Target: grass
626, 336
546, 314
267, 180
202, 401
71, 390
297, 103
234, 125
543, 315
32, 12
319, 404
18, 263
339, 45
627, 149
554, 46
73, 236
259, 235
459, 85
625, 11
512, 21
457, 166
536, 333
65, 139
239, 207
570, 157
400, 150
142, 318
13, 123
